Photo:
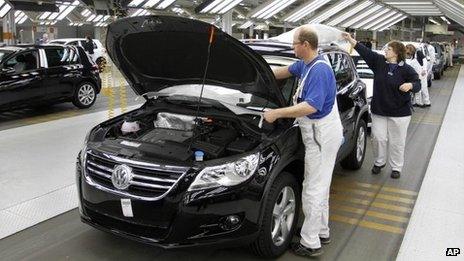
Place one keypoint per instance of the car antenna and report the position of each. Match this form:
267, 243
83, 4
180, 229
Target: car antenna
211, 37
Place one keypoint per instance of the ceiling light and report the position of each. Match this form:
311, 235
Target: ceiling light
304, 10
433, 21
90, 18
4, 10
445, 20
387, 21
271, 8
349, 13
340, 5
394, 22
66, 12
165, 4
371, 18
380, 20
246, 25
85, 13
277, 9
97, 18
361, 16
135, 3
150, 3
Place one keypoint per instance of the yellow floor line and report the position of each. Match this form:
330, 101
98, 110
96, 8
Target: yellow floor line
341, 183
340, 198
370, 213
367, 224
374, 195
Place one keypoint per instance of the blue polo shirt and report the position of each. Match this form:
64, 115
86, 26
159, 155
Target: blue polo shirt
320, 88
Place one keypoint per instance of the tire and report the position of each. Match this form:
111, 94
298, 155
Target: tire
85, 95
355, 159
101, 63
265, 246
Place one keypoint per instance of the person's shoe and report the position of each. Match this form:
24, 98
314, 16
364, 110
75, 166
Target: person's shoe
426, 105
325, 240
416, 105
301, 250
395, 174
377, 169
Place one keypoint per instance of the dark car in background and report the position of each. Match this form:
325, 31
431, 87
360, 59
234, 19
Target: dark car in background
439, 65
33, 75
180, 172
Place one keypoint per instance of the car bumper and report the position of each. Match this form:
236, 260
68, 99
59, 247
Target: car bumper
171, 222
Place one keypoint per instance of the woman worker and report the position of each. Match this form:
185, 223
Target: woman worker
394, 81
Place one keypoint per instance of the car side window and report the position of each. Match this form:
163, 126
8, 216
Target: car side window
73, 57
57, 56
288, 87
23, 62
341, 68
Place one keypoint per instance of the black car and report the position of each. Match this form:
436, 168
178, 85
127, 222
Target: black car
439, 64
180, 171
44, 74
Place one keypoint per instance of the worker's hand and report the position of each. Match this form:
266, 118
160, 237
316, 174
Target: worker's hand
406, 87
350, 39
270, 116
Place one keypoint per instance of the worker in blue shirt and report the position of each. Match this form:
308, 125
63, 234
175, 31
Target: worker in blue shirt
315, 109
394, 81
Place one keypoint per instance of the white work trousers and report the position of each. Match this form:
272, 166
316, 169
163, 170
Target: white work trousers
322, 139
391, 132
422, 97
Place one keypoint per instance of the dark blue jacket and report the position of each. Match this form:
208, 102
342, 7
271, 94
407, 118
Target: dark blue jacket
387, 99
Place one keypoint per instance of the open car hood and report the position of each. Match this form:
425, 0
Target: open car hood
156, 52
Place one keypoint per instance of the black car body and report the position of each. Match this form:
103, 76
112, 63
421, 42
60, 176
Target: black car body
43, 74
439, 65
146, 184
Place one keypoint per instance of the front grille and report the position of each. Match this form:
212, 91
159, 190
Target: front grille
149, 180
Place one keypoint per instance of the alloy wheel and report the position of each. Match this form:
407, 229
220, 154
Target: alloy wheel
86, 94
283, 215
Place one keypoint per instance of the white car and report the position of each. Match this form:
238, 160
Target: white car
99, 56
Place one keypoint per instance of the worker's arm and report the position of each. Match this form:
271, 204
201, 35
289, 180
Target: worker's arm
282, 72
295, 111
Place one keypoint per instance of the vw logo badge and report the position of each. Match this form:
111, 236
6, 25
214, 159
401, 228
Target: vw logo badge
121, 177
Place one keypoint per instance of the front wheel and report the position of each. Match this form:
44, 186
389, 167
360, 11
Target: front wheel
355, 159
85, 95
281, 212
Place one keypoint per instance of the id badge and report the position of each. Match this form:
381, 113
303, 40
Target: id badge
126, 206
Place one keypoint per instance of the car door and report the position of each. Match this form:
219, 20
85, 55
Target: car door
345, 78
21, 80
60, 74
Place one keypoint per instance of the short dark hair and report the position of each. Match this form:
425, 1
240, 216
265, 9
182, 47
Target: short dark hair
399, 49
411, 49
307, 34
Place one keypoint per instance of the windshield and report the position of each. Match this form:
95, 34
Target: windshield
3, 54
222, 94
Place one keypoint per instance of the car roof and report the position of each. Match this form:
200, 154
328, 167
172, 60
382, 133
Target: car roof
11, 48
277, 48
70, 39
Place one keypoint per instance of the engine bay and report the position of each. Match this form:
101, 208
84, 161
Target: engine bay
179, 137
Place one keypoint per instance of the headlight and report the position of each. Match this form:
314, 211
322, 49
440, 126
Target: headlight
227, 175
